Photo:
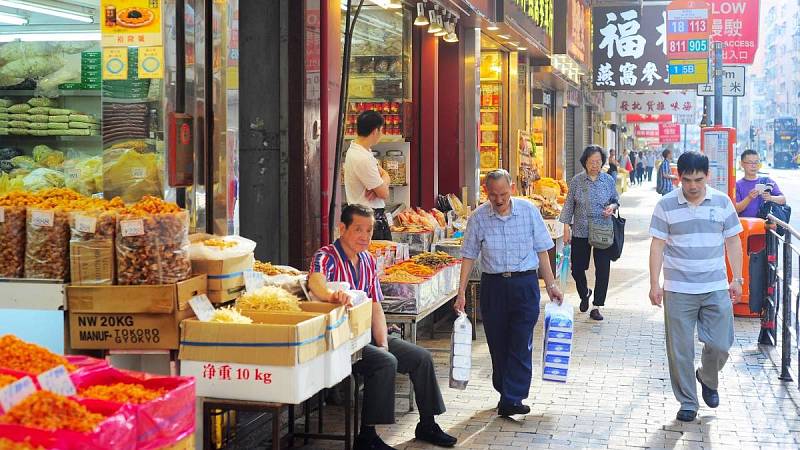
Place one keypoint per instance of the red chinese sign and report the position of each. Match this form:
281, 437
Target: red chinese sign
224, 372
735, 24
633, 118
645, 132
669, 133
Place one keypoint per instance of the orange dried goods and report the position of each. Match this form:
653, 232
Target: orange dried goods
5, 380
150, 205
49, 411
7, 444
17, 354
122, 393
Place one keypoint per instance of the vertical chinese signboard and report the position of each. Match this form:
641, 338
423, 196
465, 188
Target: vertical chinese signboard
629, 48
688, 29
735, 24
574, 38
134, 24
669, 133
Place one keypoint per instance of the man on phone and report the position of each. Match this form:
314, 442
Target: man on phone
752, 191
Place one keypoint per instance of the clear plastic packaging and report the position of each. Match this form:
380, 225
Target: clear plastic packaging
92, 247
153, 249
47, 244
12, 241
461, 352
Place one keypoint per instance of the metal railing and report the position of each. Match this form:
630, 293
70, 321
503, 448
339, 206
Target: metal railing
779, 315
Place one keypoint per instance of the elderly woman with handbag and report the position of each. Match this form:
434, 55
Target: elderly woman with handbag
587, 217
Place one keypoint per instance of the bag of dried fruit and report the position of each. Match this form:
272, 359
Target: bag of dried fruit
12, 232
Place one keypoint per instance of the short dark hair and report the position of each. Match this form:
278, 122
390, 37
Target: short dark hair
691, 162
665, 152
368, 121
591, 150
355, 210
747, 153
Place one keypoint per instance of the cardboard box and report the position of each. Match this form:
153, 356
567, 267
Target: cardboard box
92, 262
253, 382
222, 267
225, 282
338, 364
226, 295
360, 319
143, 317
274, 339
337, 328
360, 342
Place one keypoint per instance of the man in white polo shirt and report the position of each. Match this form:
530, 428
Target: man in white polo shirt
693, 228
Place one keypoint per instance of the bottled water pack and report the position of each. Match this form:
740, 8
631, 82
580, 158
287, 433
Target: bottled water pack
461, 352
557, 348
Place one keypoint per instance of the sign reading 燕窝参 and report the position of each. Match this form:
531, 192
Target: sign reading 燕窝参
688, 29
735, 24
629, 48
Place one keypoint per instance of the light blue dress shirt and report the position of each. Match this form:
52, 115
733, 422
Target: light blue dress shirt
506, 243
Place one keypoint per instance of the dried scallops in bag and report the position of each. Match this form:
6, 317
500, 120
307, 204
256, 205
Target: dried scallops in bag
12, 233
152, 243
47, 234
92, 243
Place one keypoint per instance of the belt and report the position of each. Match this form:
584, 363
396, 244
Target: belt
511, 274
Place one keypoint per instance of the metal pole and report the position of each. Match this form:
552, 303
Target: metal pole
718, 83
685, 135
786, 300
735, 112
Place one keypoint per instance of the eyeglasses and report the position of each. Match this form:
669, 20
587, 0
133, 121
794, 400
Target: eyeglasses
751, 163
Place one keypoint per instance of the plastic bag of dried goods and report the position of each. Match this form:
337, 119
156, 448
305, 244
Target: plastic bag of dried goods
461, 352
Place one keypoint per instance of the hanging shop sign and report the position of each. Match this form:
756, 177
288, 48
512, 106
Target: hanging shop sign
572, 39
629, 48
646, 130
688, 29
634, 118
733, 83
131, 23
535, 17
670, 102
669, 133
735, 24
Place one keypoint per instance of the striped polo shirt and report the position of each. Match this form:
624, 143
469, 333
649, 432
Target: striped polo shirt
362, 275
694, 256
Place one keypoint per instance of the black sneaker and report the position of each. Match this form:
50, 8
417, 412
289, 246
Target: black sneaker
433, 434
595, 314
686, 415
513, 410
585, 302
710, 396
370, 442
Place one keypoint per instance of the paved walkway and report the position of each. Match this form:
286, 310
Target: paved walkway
618, 394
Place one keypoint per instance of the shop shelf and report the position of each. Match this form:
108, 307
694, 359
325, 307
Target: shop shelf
489, 144
75, 93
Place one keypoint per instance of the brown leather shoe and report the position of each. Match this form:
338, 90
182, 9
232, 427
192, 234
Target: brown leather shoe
595, 314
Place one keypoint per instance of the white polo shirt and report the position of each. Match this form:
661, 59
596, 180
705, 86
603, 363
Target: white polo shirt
361, 175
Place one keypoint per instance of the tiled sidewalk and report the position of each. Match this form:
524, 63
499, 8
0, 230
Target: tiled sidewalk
618, 394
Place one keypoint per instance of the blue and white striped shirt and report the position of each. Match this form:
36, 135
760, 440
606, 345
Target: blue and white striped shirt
506, 243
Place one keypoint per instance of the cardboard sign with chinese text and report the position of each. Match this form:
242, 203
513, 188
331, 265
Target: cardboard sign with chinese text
127, 23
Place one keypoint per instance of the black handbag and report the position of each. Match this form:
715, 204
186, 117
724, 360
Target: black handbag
781, 212
619, 236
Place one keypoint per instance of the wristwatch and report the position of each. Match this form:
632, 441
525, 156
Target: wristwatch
739, 280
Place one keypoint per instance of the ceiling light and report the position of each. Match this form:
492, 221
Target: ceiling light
421, 20
452, 36
394, 4
522, 48
504, 36
492, 27
442, 24
11, 19
51, 37
47, 10
434, 26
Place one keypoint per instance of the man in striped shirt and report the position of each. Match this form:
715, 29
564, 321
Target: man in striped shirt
348, 260
693, 227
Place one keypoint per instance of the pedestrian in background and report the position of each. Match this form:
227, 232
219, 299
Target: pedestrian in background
512, 241
665, 176
592, 196
640, 168
650, 162
692, 229
613, 165
632, 173
625, 161
749, 197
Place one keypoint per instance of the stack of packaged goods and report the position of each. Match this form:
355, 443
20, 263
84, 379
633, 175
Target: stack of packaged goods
417, 228
91, 73
285, 277
78, 402
223, 260
558, 331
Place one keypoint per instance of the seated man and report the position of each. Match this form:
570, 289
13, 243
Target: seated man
348, 260
748, 197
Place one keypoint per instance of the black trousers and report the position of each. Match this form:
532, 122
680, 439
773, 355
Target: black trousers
381, 232
581, 252
649, 173
379, 367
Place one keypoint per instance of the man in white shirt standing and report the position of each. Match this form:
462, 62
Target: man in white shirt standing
365, 182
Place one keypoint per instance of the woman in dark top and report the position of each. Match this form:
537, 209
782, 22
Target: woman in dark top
640, 168
613, 166
632, 173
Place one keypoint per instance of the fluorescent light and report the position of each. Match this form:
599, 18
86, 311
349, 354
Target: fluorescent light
388, 4
12, 19
522, 48
504, 36
50, 37
492, 27
47, 10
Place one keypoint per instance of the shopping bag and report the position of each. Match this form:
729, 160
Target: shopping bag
562, 266
619, 236
461, 352
557, 348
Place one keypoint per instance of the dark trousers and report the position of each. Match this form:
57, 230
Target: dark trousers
381, 232
632, 175
510, 309
649, 173
379, 368
581, 252
639, 174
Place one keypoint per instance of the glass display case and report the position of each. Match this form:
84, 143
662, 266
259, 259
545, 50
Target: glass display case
380, 68
490, 136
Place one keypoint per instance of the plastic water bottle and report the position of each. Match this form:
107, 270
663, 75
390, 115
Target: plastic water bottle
461, 352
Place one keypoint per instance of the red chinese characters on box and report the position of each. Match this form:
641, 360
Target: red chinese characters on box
735, 24
224, 372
